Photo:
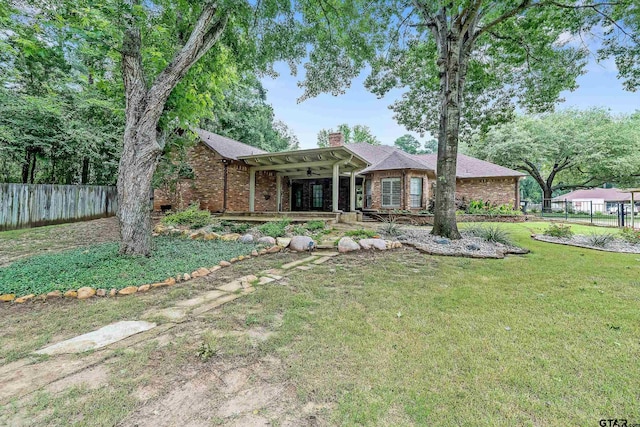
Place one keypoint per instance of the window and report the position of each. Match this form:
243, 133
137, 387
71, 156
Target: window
416, 192
368, 201
391, 193
317, 195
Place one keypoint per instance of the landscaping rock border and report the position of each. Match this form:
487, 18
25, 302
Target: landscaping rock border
618, 247
301, 242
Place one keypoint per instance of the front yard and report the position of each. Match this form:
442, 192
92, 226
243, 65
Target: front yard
370, 338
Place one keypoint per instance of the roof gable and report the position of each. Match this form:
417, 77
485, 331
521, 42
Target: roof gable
397, 160
470, 167
226, 147
607, 194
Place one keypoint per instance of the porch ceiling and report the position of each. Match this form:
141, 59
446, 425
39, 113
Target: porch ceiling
319, 160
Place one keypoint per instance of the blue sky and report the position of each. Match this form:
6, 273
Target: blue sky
598, 88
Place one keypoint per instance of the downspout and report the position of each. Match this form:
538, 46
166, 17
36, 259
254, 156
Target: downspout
225, 185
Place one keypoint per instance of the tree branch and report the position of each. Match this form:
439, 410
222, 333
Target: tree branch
513, 12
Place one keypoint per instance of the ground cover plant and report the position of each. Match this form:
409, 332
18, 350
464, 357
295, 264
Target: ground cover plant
192, 217
630, 235
100, 266
361, 234
275, 228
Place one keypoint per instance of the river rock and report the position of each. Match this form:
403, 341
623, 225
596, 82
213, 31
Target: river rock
231, 237
379, 244
128, 290
7, 297
267, 240
301, 243
86, 292
283, 242
247, 238
347, 244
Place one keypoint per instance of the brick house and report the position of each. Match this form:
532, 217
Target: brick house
230, 176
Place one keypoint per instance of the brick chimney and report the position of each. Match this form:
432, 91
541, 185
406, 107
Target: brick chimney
336, 139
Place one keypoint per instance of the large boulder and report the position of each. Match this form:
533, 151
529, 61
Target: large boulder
283, 242
267, 240
347, 244
301, 243
379, 244
247, 238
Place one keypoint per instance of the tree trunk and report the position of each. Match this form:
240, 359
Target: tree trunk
547, 194
144, 107
444, 221
84, 176
134, 189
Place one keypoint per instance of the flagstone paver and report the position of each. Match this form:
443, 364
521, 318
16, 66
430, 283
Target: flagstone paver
322, 260
99, 338
299, 262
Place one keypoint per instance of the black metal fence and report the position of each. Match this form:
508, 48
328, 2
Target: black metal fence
612, 214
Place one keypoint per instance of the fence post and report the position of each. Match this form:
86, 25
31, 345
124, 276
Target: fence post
566, 209
591, 212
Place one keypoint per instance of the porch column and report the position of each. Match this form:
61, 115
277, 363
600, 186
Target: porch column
278, 193
252, 189
352, 192
335, 184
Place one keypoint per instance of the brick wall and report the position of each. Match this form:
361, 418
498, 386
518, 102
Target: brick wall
208, 186
494, 190
497, 191
405, 178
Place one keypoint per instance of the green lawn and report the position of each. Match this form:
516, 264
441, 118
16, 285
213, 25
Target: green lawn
401, 338
550, 338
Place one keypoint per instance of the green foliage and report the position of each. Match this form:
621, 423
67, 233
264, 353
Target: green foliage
600, 240
351, 135
409, 144
275, 228
567, 148
101, 265
391, 227
630, 235
361, 234
480, 207
299, 230
490, 232
559, 230
239, 227
315, 225
208, 348
193, 217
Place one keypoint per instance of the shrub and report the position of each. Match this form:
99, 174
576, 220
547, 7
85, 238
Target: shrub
490, 233
480, 207
391, 227
315, 225
275, 228
193, 217
299, 230
361, 234
559, 230
239, 227
630, 235
600, 239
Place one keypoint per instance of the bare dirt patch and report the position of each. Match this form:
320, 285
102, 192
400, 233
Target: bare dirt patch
18, 244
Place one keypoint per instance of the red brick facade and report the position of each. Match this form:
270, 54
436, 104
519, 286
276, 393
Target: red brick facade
216, 176
208, 186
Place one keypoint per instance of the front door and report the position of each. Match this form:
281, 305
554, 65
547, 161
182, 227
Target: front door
296, 196
317, 197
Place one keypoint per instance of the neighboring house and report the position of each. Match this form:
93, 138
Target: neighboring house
234, 177
601, 200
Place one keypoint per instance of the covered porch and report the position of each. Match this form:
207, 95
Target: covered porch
316, 180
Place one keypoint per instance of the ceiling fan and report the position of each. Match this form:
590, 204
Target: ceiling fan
311, 173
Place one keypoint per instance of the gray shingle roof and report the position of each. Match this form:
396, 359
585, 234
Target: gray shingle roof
470, 167
396, 160
371, 153
607, 194
227, 147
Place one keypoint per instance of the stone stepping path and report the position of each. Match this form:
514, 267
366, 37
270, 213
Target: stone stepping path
97, 339
23, 377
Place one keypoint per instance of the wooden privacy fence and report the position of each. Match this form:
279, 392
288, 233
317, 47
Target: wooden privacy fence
32, 205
